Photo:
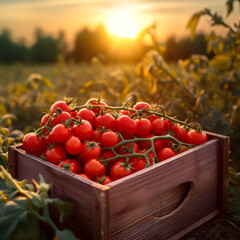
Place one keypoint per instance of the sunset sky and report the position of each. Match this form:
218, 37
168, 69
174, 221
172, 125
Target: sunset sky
22, 17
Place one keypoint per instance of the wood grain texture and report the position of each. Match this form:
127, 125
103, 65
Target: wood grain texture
223, 158
164, 201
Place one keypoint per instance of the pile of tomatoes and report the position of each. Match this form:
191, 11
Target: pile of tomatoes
104, 143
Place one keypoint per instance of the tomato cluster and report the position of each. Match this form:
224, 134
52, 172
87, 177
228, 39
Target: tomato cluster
104, 143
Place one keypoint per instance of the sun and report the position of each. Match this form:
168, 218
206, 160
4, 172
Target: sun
123, 23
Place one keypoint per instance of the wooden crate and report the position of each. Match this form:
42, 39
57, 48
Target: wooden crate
164, 201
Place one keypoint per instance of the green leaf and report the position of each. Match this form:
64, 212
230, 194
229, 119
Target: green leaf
65, 208
11, 214
193, 21
65, 234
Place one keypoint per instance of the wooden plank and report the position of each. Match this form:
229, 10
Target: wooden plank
223, 155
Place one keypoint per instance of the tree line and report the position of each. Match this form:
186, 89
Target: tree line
91, 43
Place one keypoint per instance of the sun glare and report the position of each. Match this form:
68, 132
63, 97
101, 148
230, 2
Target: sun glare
123, 23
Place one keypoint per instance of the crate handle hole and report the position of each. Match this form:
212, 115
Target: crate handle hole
176, 199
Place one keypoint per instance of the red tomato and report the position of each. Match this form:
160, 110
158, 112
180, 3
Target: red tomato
59, 134
97, 102
55, 154
157, 143
152, 117
73, 145
60, 104
93, 168
88, 115
126, 125
90, 149
107, 154
33, 144
61, 118
196, 138
181, 134
96, 137
109, 139
83, 131
166, 153
158, 126
107, 121
131, 147
144, 127
142, 105
104, 180
183, 149
120, 169
169, 126
84, 176
44, 120
140, 163
74, 113
71, 165
123, 112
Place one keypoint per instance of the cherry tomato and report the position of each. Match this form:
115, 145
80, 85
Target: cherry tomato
84, 176
73, 145
107, 121
74, 113
131, 147
55, 154
166, 153
96, 137
90, 149
158, 126
61, 118
196, 138
120, 169
109, 139
126, 125
157, 143
44, 120
93, 168
33, 144
59, 134
123, 112
107, 154
140, 163
97, 102
71, 165
169, 126
183, 149
88, 115
83, 131
181, 134
152, 117
144, 127
104, 180
141, 106
60, 104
